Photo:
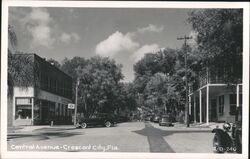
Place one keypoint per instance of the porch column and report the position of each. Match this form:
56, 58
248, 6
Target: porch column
237, 95
200, 106
194, 108
207, 104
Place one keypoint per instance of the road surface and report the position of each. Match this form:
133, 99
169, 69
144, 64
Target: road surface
125, 137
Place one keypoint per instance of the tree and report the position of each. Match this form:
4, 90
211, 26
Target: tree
160, 93
70, 66
20, 70
155, 78
126, 98
193, 69
54, 63
162, 61
160, 77
12, 38
219, 38
99, 83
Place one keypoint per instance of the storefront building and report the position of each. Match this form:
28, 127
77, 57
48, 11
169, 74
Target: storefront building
47, 99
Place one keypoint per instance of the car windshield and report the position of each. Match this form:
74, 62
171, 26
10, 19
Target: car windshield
164, 119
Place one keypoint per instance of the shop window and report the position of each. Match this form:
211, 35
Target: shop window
23, 111
221, 105
23, 108
37, 110
52, 109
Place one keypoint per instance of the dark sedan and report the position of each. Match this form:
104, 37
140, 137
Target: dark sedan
156, 119
165, 121
97, 120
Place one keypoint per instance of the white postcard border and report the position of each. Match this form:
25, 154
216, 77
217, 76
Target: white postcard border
115, 4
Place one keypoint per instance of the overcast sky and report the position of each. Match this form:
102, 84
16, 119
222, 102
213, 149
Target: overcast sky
123, 34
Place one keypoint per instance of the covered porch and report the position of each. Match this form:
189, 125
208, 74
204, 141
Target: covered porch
214, 103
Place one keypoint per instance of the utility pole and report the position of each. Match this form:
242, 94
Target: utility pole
76, 93
185, 38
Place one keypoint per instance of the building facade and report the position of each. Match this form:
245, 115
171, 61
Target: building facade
46, 98
213, 100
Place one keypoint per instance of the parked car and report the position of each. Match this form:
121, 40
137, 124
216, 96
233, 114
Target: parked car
97, 119
156, 119
148, 118
229, 139
165, 121
121, 119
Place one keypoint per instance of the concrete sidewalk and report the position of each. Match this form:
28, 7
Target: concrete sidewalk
193, 127
210, 125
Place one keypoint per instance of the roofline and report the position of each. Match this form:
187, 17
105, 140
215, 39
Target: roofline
212, 84
22, 53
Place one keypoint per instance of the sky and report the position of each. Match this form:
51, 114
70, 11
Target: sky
123, 34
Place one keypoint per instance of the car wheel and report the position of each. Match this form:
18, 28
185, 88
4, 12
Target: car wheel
217, 144
83, 125
108, 124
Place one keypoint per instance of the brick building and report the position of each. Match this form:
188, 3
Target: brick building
45, 99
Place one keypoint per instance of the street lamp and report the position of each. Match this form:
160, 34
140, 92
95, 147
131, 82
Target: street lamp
185, 38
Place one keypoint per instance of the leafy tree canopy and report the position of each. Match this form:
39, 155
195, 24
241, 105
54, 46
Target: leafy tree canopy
219, 40
99, 86
54, 63
163, 61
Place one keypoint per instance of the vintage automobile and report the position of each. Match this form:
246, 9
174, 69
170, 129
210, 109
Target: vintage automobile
156, 119
121, 119
97, 120
165, 121
148, 118
229, 139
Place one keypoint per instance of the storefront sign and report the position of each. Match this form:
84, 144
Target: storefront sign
71, 106
23, 101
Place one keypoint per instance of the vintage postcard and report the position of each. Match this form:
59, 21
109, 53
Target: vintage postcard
117, 79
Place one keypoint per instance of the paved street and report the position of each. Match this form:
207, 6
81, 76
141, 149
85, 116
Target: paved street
125, 137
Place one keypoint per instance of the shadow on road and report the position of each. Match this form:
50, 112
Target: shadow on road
156, 140
43, 135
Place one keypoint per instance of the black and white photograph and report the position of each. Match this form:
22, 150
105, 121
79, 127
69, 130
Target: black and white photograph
125, 79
